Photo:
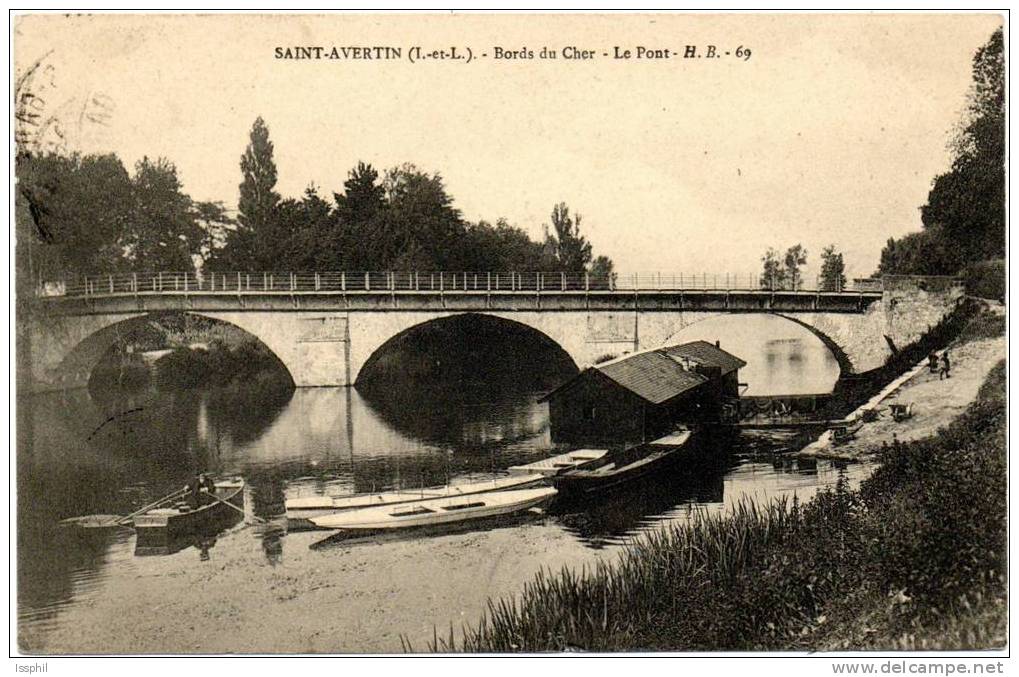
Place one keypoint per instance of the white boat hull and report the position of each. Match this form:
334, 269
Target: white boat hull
305, 507
557, 464
434, 511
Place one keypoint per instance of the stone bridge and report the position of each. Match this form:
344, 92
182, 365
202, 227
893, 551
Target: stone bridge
325, 335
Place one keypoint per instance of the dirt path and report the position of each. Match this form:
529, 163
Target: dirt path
935, 402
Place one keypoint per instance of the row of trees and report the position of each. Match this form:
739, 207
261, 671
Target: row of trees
87, 213
84, 214
78, 214
784, 271
964, 218
403, 219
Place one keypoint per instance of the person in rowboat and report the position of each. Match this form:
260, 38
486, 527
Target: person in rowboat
206, 483
197, 489
193, 492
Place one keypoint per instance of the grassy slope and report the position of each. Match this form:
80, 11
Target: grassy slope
913, 560
937, 539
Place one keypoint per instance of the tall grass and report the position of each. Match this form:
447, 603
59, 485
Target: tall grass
914, 559
661, 587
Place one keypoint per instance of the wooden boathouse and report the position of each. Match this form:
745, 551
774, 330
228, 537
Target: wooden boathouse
640, 397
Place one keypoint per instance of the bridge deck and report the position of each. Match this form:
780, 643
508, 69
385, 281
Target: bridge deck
645, 300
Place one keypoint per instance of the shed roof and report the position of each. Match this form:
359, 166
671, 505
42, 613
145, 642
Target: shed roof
654, 376
706, 355
663, 373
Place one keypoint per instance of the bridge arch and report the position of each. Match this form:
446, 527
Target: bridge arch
370, 345
75, 348
845, 363
827, 345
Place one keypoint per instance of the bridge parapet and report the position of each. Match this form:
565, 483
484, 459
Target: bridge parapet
413, 281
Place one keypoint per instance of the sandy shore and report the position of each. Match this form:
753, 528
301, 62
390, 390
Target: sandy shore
935, 402
341, 598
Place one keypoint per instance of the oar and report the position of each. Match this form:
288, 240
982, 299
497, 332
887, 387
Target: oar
240, 510
109, 521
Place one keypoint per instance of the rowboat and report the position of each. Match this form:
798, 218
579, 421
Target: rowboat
617, 468
435, 511
557, 464
301, 509
165, 524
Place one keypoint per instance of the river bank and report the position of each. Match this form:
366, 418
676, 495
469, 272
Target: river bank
935, 401
187, 352
914, 559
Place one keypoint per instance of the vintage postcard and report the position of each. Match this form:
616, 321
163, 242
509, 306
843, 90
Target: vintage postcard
524, 333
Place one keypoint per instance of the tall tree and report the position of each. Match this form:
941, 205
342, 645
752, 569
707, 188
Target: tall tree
602, 273
70, 214
363, 196
305, 230
215, 224
772, 272
163, 233
252, 241
833, 270
420, 228
964, 218
570, 251
795, 257
928, 252
501, 247
356, 214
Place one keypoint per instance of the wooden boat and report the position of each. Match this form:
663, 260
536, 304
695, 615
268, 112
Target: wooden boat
617, 468
435, 511
166, 524
299, 510
557, 464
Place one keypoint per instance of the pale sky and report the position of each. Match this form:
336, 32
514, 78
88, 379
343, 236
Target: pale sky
830, 133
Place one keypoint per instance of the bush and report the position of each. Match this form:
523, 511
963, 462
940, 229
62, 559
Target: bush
186, 368
941, 503
182, 369
985, 279
985, 325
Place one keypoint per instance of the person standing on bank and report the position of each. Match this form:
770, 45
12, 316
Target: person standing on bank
946, 366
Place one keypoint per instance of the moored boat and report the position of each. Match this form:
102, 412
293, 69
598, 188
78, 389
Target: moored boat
164, 524
436, 511
301, 509
555, 465
617, 468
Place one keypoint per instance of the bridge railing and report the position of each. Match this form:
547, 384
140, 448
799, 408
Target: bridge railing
409, 281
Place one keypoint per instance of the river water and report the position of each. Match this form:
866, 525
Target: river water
82, 452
